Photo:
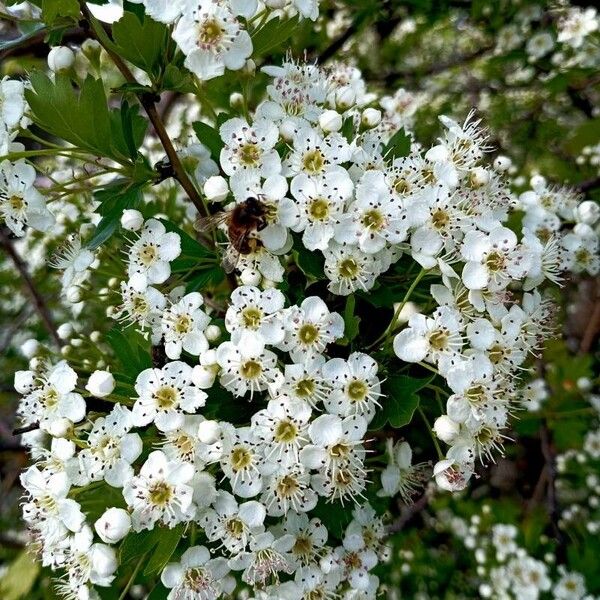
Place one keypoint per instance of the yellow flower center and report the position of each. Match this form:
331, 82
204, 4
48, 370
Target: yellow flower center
286, 432
357, 390
241, 458
251, 317
166, 397
308, 334
251, 369
313, 161
160, 493
319, 209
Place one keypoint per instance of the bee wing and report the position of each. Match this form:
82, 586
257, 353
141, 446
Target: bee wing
231, 256
211, 221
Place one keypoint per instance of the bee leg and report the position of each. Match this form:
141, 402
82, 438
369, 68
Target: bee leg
261, 225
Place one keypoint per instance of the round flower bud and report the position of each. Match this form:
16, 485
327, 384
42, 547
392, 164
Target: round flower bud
203, 376
73, 294
275, 4
330, 120
113, 282
537, 182
250, 277
100, 383
65, 331
60, 58
95, 336
208, 358
91, 49
502, 163
216, 188
584, 384
77, 342
236, 100
209, 432
29, 347
132, 219
103, 560
371, 117
66, 350
587, 212
583, 230
345, 98
36, 363
59, 427
249, 67
445, 428
24, 381
287, 130
113, 525
478, 177
212, 333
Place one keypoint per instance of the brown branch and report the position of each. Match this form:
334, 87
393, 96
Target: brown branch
593, 324
38, 301
589, 184
408, 513
148, 101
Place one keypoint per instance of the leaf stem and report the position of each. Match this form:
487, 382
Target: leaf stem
434, 439
131, 580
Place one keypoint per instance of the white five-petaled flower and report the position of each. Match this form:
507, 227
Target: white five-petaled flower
164, 395
211, 37
161, 492
150, 255
183, 325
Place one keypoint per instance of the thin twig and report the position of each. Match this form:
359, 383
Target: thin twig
38, 301
407, 514
593, 324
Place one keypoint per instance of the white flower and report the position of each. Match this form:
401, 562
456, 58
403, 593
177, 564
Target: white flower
355, 386
310, 328
111, 449
164, 395
267, 557
100, 383
282, 427
164, 11
400, 476
150, 255
321, 202
231, 524
161, 492
216, 188
356, 561
288, 489
143, 307
571, 586
52, 398
12, 103
256, 311
249, 150
197, 576
577, 25
212, 39
113, 525
375, 218
314, 155
492, 259
304, 381
183, 326
48, 509
242, 461
430, 337
20, 202
452, 476
74, 260
310, 538
349, 269
247, 366
60, 58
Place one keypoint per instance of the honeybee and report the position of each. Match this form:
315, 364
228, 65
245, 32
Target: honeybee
243, 221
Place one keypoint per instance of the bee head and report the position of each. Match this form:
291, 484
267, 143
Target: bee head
254, 207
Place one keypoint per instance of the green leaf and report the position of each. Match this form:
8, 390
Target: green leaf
141, 43
164, 550
53, 10
177, 80
351, 321
272, 34
310, 263
210, 138
131, 349
399, 145
207, 278
96, 499
189, 246
19, 577
80, 118
15, 43
399, 402
113, 200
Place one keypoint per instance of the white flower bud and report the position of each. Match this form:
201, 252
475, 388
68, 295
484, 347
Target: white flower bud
345, 98
203, 376
583, 230
24, 381
250, 277
478, 177
249, 67
587, 212
212, 333
236, 100
65, 331
77, 342
60, 58
584, 384
100, 383
446, 429
537, 182
287, 130
91, 49
59, 427
330, 120
216, 188
113, 525
502, 163
95, 336
371, 117
103, 560
209, 432
73, 294
36, 362
29, 347
132, 219
208, 358
275, 4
